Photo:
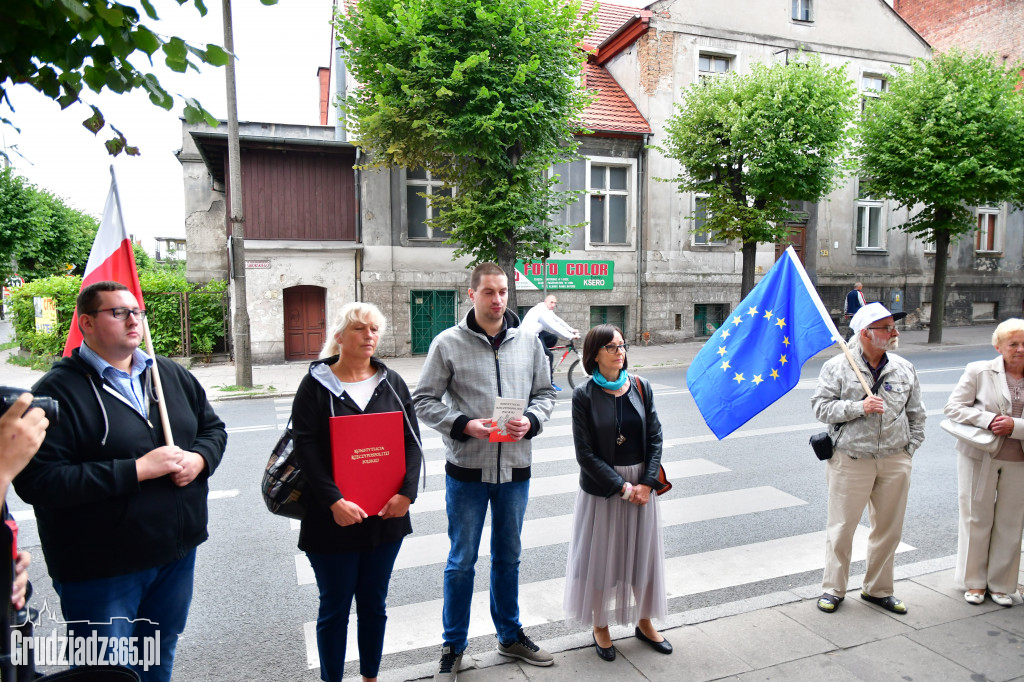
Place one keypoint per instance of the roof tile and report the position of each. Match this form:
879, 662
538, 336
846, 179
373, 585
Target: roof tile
612, 110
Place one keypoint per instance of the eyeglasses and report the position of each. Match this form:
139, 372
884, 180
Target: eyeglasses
888, 330
612, 348
121, 313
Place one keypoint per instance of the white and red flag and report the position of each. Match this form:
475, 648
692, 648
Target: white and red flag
111, 259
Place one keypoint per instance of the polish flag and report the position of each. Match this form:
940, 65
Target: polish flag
111, 259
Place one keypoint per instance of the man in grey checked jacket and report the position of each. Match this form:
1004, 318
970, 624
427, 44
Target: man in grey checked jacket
481, 358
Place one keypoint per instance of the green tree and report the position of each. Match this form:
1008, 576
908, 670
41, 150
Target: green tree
948, 134
751, 142
484, 96
39, 234
62, 47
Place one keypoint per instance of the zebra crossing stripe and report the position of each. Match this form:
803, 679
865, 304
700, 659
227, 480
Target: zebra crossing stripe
418, 625
426, 550
541, 486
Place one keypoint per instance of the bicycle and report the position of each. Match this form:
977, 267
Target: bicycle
576, 370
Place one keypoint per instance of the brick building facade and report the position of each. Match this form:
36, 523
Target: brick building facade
995, 26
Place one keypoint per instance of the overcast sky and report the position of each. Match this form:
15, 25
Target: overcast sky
279, 49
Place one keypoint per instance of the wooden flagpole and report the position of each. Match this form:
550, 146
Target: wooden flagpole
158, 386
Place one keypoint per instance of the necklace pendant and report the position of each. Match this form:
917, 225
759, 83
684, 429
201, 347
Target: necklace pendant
620, 440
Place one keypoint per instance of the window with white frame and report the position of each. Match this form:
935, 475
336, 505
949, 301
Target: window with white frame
610, 202
986, 238
871, 87
701, 234
420, 209
713, 65
870, 220
803, 10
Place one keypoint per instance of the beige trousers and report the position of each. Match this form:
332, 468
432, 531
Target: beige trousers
988, 545
882, 486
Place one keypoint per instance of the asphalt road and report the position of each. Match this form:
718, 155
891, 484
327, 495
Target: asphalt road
743, 501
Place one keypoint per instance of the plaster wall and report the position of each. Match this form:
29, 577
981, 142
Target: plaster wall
329, 265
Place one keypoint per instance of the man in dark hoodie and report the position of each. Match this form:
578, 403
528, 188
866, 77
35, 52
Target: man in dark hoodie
120, 512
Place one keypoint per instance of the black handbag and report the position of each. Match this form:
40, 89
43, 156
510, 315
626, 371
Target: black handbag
284, 484
823, 443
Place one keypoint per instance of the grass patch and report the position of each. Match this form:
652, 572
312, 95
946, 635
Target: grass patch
9, 345
42, 364
235, 388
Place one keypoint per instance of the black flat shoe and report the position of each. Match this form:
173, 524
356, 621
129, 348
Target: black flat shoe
662, 647
606, 653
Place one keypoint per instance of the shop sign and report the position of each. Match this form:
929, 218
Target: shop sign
565, 274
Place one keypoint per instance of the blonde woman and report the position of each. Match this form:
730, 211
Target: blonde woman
990, 395
352, 550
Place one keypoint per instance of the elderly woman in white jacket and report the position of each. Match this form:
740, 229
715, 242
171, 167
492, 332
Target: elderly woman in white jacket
990, 395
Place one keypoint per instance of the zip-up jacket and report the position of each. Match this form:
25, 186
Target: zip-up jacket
462, 376
95, 518
313, 406
839, 398
593, 433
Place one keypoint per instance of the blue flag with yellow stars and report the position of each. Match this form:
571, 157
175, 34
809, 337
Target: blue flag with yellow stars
755, 357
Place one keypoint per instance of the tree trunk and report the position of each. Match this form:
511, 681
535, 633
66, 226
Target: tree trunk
939, 286
507, 261
749, 262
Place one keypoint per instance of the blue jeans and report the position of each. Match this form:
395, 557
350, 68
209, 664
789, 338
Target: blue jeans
157, 599
466, 505
364, 575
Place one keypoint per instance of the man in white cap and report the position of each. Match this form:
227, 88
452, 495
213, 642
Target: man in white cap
874, 439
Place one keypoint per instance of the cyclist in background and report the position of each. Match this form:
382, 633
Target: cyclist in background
542, 321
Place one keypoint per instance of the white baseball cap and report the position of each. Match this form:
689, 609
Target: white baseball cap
872, 312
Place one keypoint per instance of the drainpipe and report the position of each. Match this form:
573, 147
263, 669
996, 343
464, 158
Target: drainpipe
641, 173
340, 86
359, 226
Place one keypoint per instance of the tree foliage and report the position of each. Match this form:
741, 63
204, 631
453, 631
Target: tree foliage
39, 234
63, 47
751, 142
947, 135
484, 96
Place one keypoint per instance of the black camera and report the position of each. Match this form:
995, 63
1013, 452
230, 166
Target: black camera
10, 395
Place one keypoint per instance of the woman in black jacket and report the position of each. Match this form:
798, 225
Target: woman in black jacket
615, 569
352, 550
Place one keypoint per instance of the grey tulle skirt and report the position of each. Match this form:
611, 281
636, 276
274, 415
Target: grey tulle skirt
616, 570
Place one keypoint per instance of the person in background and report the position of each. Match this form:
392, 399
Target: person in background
990, 395
120, 511
468, 366
871, 463
22, 431
352, 550
615, 570
542, 321
855, 300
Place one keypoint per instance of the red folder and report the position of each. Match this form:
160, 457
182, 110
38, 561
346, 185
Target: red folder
368, 451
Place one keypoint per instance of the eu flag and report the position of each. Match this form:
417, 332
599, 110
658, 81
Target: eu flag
755, 357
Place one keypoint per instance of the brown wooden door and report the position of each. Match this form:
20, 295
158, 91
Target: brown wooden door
796, 240
305, 323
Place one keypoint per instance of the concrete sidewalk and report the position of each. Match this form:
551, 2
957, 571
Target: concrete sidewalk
283, 379
783, 636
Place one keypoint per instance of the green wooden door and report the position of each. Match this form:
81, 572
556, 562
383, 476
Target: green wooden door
431, 313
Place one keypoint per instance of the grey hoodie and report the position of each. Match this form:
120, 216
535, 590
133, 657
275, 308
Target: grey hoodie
839, 400
462, 376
